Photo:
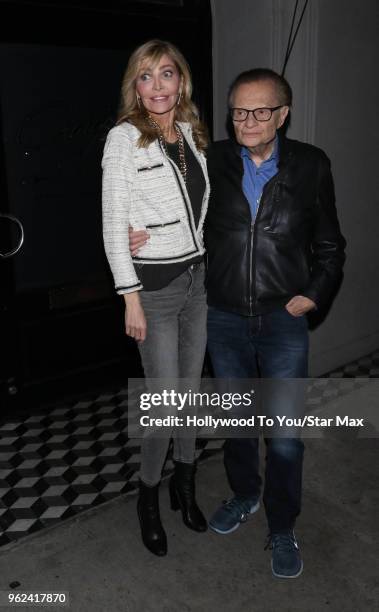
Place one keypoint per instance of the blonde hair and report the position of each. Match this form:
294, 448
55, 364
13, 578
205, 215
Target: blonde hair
152, 51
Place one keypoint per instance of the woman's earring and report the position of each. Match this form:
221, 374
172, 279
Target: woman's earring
179, 98
138, 101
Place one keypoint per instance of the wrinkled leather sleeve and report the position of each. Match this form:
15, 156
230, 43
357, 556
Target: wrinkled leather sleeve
328, 243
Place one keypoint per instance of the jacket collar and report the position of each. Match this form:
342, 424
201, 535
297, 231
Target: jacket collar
184, 126
285, 149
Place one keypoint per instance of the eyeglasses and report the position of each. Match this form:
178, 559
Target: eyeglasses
260, 114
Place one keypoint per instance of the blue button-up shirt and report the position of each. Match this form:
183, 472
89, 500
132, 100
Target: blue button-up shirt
255, 178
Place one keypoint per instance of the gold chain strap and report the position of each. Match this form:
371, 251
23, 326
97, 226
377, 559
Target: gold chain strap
182, 157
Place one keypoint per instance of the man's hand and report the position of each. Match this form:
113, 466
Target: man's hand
136, 240
299, 305
135, 320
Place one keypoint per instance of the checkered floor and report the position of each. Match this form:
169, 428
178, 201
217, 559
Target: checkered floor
71, 458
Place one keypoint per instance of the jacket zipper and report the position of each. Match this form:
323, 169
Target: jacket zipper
275, 196
251, 267
252, 226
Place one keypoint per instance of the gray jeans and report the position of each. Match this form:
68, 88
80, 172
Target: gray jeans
174, 348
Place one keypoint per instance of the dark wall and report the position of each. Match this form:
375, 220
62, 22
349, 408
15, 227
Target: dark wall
57, 105
61, 66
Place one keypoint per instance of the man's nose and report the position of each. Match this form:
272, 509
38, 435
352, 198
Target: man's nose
250, 119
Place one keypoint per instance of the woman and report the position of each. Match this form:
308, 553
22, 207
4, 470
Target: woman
155, 179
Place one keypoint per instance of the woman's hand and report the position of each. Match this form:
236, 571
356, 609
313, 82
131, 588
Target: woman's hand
135, 320
300, 305
137, 238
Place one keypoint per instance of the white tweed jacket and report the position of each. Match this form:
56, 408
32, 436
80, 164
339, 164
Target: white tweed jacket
144, 188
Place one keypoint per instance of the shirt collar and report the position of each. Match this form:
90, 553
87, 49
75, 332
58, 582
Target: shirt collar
274, 155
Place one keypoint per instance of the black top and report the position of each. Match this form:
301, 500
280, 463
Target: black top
157, 276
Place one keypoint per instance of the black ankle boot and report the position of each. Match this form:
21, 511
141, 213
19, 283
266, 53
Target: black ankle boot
182, 496
153, 534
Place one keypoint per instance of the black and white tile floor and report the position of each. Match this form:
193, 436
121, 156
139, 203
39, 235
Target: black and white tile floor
71, 458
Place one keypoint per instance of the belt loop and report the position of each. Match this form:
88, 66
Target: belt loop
195, 266
190, 272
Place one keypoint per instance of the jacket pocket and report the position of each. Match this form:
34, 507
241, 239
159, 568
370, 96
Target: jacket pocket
276, 208
158, 225
146, 168
167, 241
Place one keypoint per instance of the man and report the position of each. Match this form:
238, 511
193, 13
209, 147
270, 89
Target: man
275, 253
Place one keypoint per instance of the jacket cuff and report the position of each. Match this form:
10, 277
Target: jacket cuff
312, 295
129, 289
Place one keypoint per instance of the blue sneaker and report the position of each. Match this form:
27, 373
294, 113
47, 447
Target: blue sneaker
286, 560
232, 513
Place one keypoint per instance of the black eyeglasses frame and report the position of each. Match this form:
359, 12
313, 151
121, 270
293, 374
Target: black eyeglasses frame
249, 110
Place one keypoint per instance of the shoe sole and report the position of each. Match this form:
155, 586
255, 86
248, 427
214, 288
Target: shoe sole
216, 530
284, 575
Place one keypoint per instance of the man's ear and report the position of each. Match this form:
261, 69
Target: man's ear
283, 115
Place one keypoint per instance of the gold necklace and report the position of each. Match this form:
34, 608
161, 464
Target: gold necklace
162, 142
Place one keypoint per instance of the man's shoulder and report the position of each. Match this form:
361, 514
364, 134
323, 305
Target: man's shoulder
303, 149
222, 145
219, 149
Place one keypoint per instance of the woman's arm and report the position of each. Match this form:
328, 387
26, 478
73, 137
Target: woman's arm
118, 177
135, 320
118, 174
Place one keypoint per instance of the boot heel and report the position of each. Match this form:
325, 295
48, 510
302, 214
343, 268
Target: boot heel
182, 494
152, 532
174, 500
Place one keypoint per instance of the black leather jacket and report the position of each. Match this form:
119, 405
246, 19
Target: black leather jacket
294, 247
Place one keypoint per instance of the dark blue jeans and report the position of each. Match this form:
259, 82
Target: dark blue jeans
273, 345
